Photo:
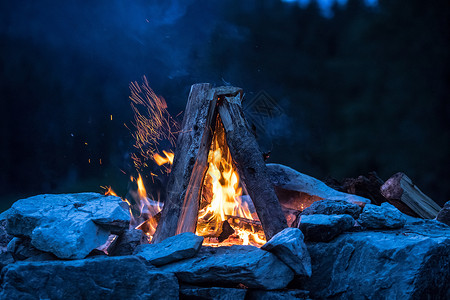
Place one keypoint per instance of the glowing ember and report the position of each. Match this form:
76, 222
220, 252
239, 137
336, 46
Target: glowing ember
226, 202
153, 123
108, 191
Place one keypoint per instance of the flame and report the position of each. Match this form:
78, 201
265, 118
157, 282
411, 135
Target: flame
226, 199
109, 191
164, 160
147, 217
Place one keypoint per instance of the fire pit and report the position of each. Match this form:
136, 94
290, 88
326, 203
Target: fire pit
230, 227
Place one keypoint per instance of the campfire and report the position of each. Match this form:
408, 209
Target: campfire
218, 227
215, 173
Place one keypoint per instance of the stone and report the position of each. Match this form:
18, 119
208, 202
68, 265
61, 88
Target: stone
408, 263
68, 225
178, 247
277, 295
323, 228
22, 249
333, 207
5, 238
125, 277
237, 264
384, 216
127, 242
6, 258
312, 189
211, 293
444, 214
289, 247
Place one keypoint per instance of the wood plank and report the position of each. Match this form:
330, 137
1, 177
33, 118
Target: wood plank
190, 164
401, 188
249, 162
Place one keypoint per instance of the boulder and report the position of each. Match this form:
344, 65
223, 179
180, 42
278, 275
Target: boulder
211, 293
309, 188
125, 277
333, 207
444, 214
277, 295
408, 263
181, 246
323, 228
69, 226
384, 216
289, 247
248, 265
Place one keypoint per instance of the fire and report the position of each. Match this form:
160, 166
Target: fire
147, 218
109, 191
164, 160
226, 204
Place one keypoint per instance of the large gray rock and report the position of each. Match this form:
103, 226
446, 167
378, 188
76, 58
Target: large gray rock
69, 226
333, 207
181, 246
251, 266
288, 246
125, 277
291, 180
444, 215
408, 263
384, 216
323, 228
211, 293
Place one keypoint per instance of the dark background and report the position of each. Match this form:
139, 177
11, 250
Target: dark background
362, 87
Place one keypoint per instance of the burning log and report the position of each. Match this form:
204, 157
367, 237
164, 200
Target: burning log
399, 190
186, 177
249, 161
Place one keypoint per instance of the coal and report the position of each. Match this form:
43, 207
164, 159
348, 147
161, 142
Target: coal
384, 216
68, 225
125, 277
408, 263
289, 247
178, 247
323, 228
247, 265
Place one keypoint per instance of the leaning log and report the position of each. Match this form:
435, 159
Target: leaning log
401, 188
190, 164
249, 161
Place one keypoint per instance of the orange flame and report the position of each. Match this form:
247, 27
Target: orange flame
109, 191
164, 160
147, 219
226, 199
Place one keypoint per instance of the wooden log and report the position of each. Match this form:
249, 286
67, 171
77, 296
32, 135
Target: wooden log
249, 162
190, 164
401, 188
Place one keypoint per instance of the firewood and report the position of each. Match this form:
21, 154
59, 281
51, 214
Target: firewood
249, 161
401, 188
190, 164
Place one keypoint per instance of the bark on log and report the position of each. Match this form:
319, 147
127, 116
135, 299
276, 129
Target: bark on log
249, 161
190, 164
401, 188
